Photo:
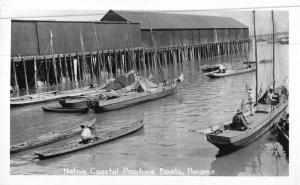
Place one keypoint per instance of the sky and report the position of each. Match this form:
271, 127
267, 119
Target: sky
263, 18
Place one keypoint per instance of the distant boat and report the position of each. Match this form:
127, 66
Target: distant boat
231, 72
210, 68
266, 61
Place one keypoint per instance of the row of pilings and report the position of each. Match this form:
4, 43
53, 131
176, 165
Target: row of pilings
56, 69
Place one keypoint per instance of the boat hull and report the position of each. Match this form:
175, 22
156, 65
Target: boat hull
70, 103
227, 144
130, 100
102, 138
66, 110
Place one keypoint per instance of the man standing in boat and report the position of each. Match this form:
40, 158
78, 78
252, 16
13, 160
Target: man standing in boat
239, 121
251, 101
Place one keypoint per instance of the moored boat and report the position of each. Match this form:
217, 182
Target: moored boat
231, 72
66, 109
49, 138
102, 137
210, 68
228, 139
133, 98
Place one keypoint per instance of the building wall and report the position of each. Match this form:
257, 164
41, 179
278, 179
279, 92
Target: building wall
33, 37
172, 38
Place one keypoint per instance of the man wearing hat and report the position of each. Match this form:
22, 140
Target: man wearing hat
239, 121
251, 101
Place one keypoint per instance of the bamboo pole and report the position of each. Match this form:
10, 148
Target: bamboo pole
25, 74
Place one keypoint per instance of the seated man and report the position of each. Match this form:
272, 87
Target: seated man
222, 69
272, 98
86, 134
239, 122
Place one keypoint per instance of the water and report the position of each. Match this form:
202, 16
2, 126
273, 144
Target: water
168, 139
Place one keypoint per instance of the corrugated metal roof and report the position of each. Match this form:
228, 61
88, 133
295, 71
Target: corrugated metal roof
157, 20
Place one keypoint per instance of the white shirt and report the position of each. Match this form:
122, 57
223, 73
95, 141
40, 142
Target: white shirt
86, 132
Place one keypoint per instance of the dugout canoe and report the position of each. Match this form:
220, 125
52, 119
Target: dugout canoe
133, 98
227, 139
231, 72
50, 138
66, 109
102, 137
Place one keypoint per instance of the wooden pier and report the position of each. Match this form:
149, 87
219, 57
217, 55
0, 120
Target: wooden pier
63, 68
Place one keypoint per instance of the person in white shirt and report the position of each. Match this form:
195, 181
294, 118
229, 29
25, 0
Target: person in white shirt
86, 134
251, 101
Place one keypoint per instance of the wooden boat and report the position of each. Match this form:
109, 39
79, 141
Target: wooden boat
49, 96
66, 109
78, 145
231, 72
73, 102
210, 68
133, 98
227, 139
50, 138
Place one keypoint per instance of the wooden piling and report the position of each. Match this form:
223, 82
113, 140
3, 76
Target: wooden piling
55, 69
61, 69
66, 66
72, 67
15, 75
35, 72
46, 71
25, 74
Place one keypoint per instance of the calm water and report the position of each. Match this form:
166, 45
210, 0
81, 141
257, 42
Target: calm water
169, 139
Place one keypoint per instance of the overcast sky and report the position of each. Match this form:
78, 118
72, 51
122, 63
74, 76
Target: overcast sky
263, 18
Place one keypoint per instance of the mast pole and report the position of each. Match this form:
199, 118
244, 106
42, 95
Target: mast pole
255, 51
273, 42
